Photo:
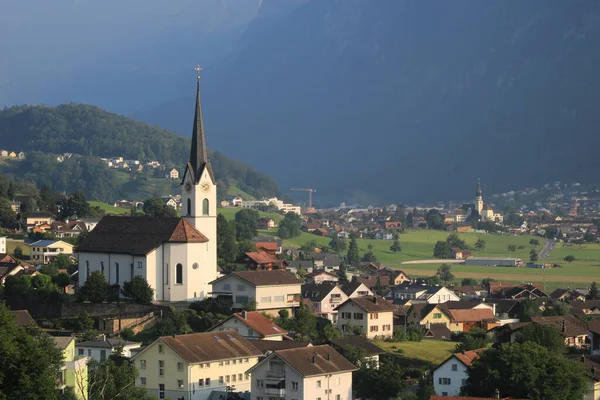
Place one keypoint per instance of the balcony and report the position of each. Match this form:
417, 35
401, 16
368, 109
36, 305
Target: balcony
336, 300
294, 298
275, 375
275, 392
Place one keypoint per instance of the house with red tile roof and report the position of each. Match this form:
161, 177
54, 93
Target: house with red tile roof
263, 261
251, 325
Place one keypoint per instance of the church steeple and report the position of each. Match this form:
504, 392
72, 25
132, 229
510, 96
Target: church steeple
479, 192
199, 160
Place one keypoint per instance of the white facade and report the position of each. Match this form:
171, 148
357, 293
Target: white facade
275, 372
102, 353
3, 245
449, 377
234, 324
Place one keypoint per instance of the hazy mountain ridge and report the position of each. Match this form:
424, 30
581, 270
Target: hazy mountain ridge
412, 100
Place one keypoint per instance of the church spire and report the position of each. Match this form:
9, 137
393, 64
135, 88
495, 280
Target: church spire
199, 154
479, 192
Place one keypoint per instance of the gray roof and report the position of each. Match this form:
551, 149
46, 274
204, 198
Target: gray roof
359, 342
300, 264
412, 288
109, 343
317, 292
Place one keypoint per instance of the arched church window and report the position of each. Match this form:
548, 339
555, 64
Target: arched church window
189, 206
179, 274
87, 269
205, 207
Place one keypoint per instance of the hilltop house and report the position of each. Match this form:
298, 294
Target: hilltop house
32, 219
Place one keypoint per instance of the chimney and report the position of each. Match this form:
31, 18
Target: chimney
314, 359
494, 308
428, 325
245, 314
375, 300
103, 337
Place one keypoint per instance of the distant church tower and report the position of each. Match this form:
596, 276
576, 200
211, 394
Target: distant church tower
199, 187
479, 198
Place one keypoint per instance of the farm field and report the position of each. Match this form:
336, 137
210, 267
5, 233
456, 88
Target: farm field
433, 351
108, 209
11, 245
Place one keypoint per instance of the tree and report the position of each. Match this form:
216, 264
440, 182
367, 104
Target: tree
512, 248
138, 289
472, 340
7, 215
173, 323
569, 259
410, 219
385, 382
29, 361
338, 244
594, 293
442, 249
369, 256
533, 255
308, 247
113, 378
378, 288
445, 274
545, 335
18, 252
250, 304
95, 288
525, 370
156, 207
62, 280
435, 220
290, 226
227, 247
480, 244
534, 242
468, 282
399, 215
396, 247
341, 273
455, 241
246, 224
352, 257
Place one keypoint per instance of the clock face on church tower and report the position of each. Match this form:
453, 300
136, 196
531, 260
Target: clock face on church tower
205, 187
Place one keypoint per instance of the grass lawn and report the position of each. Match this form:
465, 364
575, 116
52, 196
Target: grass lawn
108, 208
433, 351
236, 191
145, 336
12, 244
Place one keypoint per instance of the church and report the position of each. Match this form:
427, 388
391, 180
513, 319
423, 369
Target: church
486, 212
177, 256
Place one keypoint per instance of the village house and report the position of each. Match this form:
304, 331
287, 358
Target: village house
459, 254
4, 153
316, 372
321, 276
423, 314
504, 290
575, 331
467, 319
67, 229
300, 265
173, 174
192, 366
272, 290
271, 248
267, 223
74, 371
567, 295
372, 315
356, 289
428, 294
251, 325
44, 251
324, 298
32, 219
100, 350
452, 374
263, 261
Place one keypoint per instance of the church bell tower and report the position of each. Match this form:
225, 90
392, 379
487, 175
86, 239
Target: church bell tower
199, 187
479, 198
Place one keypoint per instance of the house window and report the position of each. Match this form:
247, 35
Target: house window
227, 286
318, 384
189, 206
161, 368
142, 364
221, 381
338, 397
454, 367
161, 391
227, 379
437, 315
374, 328
180, 366
81, 352
179, 274
294, 386
102, 355
260, 383
205, 207
117, 272
241, 288
207, 382
265, 299
250, 332
142, 380
140, 264
347, 315
387, 328
240, 377
234, 378
89, 352
245, 361
201, 382
358, 315
102, 267
278, 299
444, 381
131, 270
180, 383
161, 349
374, 315
337, 381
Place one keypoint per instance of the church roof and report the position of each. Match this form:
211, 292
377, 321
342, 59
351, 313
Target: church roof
138, 235
199, 160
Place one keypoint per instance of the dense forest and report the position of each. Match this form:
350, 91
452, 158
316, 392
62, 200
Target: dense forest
89, 131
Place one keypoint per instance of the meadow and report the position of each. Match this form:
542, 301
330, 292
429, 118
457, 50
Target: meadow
432, 351
108, 209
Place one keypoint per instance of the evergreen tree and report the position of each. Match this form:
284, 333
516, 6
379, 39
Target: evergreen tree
445, 274
352, 257
95, 288
399, 215
246, 224
593, 294
138, 289
396, 247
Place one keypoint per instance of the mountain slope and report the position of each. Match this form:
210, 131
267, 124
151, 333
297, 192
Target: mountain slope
90, 131
411, 100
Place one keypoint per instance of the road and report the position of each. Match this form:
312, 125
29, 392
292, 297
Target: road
547, 248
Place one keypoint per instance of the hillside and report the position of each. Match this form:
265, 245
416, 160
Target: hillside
443, 92
92, 132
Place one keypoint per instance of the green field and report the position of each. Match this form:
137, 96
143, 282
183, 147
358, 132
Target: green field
236, 191
433, 351
11, 245
108, 209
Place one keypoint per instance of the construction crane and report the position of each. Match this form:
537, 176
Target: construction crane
310, 192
